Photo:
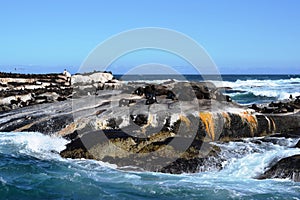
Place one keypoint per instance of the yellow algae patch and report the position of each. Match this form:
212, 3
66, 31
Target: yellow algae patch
208, 121
185, 120
68, 129
227, 119
251, 120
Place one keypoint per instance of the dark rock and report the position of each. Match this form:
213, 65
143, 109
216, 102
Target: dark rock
298, 144
51, 125
285, 168
71, 136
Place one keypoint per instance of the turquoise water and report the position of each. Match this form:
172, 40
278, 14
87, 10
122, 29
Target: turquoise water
30, 169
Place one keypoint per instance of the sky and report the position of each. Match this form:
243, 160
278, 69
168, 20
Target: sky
240, 36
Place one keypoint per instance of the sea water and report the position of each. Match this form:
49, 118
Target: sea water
30, 168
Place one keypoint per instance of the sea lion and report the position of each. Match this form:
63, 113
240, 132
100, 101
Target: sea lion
139, 91
151, 100
170, 95
125, 102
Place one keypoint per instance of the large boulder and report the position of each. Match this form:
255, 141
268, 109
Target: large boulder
286, 168
99, 77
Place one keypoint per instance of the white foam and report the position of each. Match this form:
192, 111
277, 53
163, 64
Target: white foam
257, 83
153, 81
248, 160
93, 164
279, 89
33, 143
280, 95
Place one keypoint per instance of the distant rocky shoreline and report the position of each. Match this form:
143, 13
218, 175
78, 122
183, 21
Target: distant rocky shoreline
20, 90
164, 127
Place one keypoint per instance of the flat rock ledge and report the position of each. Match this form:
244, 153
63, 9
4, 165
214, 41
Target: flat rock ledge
165, 127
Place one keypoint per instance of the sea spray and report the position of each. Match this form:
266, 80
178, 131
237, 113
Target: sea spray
29, 171
250, 157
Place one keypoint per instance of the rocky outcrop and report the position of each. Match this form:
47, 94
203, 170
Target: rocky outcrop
91, 83
298, 144
285, 168
166, 127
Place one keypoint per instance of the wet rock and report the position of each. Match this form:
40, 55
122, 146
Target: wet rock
285, 168
76, 151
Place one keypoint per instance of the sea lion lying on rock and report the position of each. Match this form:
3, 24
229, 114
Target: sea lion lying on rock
126, 102
151, 91
182, 91
275, 107
139, 91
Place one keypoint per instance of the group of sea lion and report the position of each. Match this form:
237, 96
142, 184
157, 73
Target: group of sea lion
178, 92
278, 107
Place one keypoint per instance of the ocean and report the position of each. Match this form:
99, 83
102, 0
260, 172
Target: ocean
245, 89
30, 167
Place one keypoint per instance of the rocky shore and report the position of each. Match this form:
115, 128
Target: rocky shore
165, 127
20, 90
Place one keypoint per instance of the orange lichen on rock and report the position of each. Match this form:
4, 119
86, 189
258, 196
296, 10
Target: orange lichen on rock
251, 120
208, 121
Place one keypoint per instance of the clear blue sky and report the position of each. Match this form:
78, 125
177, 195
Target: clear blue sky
254, 36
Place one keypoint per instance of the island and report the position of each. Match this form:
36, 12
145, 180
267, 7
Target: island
169, 127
